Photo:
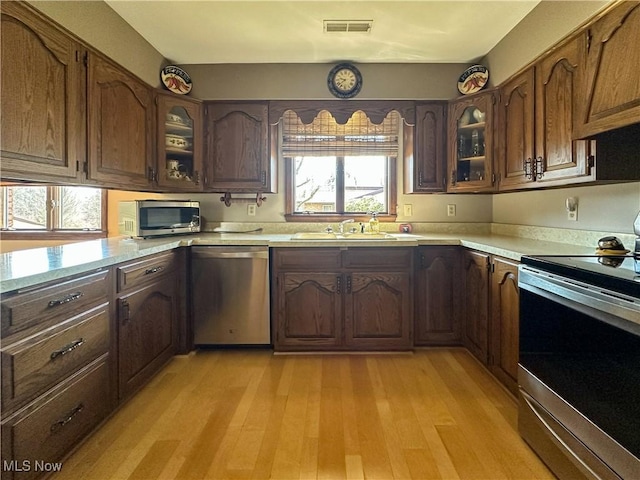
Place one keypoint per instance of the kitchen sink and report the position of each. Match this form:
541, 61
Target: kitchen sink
315, 236
340, 236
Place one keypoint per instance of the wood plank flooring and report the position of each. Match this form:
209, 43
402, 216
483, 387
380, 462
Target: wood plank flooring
434, 414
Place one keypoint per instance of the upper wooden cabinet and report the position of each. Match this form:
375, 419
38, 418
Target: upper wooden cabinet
514, 135
179, 146
470, 144
609, 50
425, 169
43, 98
535, 129
121, 119
238, 158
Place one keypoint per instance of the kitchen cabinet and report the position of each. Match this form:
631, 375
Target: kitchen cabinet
516, 130
505, 321
179, 146
425, 170
238, 158
609, 50
43, 100
470, 143
536, 115
475, 269
57, 367
147, 306
121, 117
342, 299
439, 296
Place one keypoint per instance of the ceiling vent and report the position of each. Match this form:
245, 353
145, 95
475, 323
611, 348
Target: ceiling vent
348, 26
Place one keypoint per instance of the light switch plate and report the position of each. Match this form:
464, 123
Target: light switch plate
408, 210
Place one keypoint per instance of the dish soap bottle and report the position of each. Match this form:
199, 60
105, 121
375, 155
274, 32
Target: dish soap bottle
374, 224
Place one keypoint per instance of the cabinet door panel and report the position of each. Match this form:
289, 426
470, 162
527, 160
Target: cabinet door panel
476, 321
121, 115
556, 77
309, 310
237, 147
146, 336
438, 297
43, 98
516, 129
471, 144
378, 310
609, 78
505, 309
179, 166
427, 171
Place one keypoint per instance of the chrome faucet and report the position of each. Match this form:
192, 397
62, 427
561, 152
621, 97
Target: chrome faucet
348, 220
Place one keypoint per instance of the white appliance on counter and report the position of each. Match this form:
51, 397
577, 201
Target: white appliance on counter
230, 295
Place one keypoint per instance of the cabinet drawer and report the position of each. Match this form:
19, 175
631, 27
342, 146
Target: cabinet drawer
143, 271
307, 258
24, 310
47, 429
390, 258
31, 366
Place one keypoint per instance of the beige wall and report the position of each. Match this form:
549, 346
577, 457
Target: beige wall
99, 26
545, 25
309, 81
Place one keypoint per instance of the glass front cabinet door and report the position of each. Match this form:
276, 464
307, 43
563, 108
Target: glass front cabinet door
179, 165
470, 144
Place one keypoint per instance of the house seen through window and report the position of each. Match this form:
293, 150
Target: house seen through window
340, 169
41, 210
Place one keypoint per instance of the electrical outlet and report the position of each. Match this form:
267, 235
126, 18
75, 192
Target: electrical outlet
572, 216
451, 210
408, 210
251, 210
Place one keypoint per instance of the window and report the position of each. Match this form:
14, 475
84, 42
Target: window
340, 170
38, 211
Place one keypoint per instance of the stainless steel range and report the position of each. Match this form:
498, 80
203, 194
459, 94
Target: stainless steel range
579, 370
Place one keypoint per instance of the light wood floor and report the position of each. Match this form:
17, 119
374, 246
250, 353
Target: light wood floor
436, 414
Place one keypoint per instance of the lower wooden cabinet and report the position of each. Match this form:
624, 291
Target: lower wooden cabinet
342, 299
475, 266
147, 320
505, 313
439, 296
308, 310
492, 311
37, 437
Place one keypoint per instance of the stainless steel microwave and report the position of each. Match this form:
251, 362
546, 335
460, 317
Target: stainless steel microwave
150, 218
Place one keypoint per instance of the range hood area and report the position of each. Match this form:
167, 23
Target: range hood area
619, 150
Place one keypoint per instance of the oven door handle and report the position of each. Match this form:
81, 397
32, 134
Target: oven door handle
556, 438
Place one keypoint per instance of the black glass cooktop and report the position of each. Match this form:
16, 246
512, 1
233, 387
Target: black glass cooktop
617, 273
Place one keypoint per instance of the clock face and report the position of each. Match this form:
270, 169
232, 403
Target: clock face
344, 81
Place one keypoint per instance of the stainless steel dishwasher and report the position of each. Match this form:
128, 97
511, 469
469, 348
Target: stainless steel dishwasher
230, 295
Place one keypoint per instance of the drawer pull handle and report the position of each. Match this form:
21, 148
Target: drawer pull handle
70, 416
67, 348
149, 271
67, 299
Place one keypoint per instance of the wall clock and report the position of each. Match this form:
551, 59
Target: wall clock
344, 81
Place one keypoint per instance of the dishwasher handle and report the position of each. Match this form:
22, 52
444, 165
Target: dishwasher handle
221, 253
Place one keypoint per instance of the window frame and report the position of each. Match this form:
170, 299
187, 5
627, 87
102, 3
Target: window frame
50, 233
292, 216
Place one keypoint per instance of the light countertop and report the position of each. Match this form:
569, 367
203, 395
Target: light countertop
26, 268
